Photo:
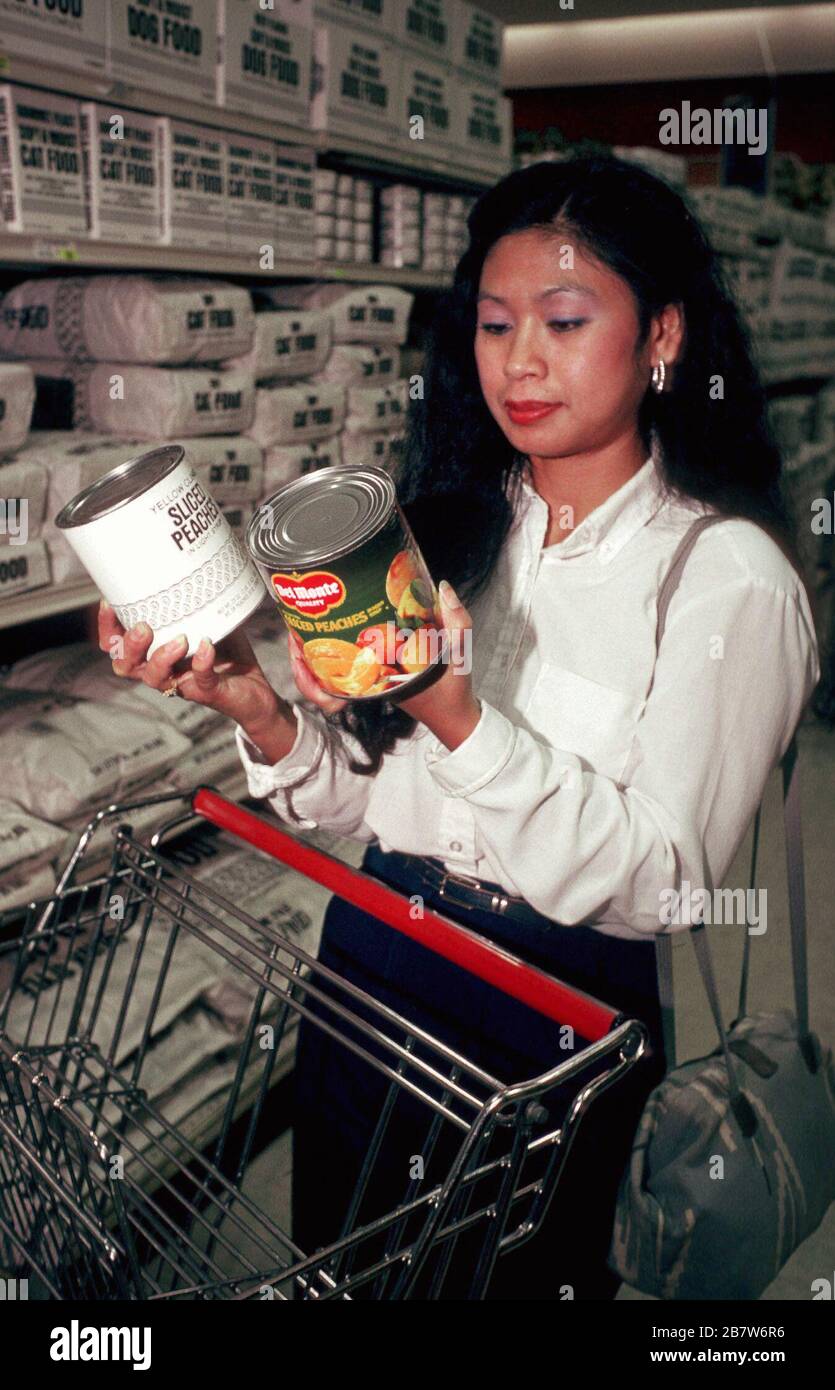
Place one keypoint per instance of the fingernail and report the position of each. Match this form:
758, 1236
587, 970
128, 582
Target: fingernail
104, 606
175, 644
449, 595
203, 648
141, 630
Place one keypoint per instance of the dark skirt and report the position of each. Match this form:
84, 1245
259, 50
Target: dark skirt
338, 1097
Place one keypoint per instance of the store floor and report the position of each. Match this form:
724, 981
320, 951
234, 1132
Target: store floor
268, 1181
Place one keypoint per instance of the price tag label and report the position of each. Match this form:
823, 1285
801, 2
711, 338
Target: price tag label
55, 251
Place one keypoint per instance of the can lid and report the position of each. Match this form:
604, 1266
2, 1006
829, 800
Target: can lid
321, 516
120, 485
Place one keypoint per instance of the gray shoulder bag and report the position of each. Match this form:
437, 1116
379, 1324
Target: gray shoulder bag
733, 1161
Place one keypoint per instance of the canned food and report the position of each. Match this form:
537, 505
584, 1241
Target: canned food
158, 548
340, 560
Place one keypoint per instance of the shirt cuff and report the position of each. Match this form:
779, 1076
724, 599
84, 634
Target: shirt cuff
475, 762
264, 778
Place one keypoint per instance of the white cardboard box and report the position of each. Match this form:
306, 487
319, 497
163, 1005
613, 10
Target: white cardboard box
482, 128
426, 26
41, 175
295, 167
121, 174
355, 86
194, 184
264, 58
427, 90
164, 46
379, 16
38, 29
251, 189
477, 43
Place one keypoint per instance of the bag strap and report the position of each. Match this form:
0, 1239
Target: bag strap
663, 944
794, 859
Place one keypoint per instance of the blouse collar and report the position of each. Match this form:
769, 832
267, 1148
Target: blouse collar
609, 526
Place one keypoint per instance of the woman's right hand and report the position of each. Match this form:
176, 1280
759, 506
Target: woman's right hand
226, 678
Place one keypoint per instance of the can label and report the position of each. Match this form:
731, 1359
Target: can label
169, 558
369, 621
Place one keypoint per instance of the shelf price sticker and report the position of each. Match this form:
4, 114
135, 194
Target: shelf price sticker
55, 251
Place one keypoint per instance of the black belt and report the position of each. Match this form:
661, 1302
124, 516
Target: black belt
471, 893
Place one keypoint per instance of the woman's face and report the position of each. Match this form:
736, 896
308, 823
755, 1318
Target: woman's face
559, 329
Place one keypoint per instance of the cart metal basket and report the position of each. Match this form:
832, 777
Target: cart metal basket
104, 1195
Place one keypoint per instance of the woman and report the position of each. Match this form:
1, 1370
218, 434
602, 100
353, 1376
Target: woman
588, 392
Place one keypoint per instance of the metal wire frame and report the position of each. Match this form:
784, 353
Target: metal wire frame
176, 1223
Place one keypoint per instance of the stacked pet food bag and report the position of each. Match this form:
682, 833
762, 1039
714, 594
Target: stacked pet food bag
116, 365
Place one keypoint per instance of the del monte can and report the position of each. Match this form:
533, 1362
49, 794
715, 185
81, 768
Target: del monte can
339, 559
160, 550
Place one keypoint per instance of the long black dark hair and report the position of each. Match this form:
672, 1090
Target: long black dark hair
711, 434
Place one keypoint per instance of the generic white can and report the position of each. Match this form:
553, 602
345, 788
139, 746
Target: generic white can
160, 551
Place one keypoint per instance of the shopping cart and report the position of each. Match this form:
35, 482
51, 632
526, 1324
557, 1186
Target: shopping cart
103, 1194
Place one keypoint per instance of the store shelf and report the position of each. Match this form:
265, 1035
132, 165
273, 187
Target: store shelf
93, 86
339, 153
45, 603
42, 252
99, 87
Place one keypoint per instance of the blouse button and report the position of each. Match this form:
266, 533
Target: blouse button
455, 845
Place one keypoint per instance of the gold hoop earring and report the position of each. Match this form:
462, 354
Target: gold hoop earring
659, 376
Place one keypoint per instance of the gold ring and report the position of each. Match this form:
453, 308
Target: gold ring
172, 689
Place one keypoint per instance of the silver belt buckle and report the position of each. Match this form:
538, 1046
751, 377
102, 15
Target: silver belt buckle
497, 904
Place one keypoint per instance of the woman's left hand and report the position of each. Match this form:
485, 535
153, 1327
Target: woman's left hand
448, 706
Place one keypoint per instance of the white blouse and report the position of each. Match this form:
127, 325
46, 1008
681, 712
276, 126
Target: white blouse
578, 790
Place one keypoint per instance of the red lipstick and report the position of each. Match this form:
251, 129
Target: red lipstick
527, 412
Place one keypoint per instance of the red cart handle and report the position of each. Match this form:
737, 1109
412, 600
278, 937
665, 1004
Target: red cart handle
496, 966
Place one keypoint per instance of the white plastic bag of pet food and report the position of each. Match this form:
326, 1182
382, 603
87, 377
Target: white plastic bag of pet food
371, 451
231, 467
23, 487
237, 518
146, 402
126, 318
360, 313
285, 462
287, 343
360, 364
28, 845
17, 400
64, 565
293, 414
61, 756
212, 760
81, 671
269, 642
20, 885
375, 408
22, 568
381, 450
72, 459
